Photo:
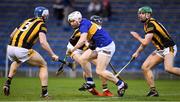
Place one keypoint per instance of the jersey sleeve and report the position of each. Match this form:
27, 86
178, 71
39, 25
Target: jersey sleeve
150, 28
83, 29
43, 28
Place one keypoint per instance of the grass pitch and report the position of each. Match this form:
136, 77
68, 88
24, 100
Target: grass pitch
66, 89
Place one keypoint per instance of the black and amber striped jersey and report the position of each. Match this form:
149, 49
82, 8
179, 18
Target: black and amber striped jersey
75, 38
161, 38
27, 33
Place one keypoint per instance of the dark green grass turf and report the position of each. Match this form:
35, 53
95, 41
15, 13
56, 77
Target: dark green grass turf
66, 89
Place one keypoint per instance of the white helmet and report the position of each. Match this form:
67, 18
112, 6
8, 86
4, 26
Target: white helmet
76, 15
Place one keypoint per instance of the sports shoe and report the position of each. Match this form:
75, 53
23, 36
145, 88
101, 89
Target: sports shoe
45, 96
152, 93
93, 91
6, 89
107, 93
121, 91
86, 86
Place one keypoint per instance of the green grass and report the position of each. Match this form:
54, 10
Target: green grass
66, 89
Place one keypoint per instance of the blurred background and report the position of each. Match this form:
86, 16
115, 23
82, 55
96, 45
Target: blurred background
120, 17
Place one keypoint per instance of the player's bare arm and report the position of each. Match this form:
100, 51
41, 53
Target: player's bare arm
81, 41
144, 41
138, 51
45, 46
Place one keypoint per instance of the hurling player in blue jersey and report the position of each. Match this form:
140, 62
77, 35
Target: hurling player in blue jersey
89, 85
104, 51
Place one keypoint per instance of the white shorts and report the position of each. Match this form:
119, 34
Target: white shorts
18, 54
107, 50
77, 51
165, 51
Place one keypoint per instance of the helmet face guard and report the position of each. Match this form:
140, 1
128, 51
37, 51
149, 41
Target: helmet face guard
96, 19
41, 12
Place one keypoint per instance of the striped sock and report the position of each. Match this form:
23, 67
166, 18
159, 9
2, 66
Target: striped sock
105, 87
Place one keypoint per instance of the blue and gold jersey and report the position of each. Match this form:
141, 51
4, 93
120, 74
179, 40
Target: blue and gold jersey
95, 33
161, 38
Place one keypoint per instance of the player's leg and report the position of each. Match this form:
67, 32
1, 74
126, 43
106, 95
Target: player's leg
37, 60
169, 54
102, 63
86, 69
87, 74
151, 61
104, 56
106, 91
76, 55
86, 65
13, 68
12, 72
17, 57
168, 64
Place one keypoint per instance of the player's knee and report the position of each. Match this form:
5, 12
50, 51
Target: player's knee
82, 61
144, 67
43, 64
98, 71
85, 58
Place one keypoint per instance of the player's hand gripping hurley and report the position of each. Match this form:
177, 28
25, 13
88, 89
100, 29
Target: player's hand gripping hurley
64, 62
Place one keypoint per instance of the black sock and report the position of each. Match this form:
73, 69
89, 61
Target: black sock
8, 81
44, 90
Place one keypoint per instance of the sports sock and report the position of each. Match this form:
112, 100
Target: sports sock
105, 87
89, 80
8, 81
120, 84
44, 90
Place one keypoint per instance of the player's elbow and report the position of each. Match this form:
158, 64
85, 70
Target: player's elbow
43, 43
144, 43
